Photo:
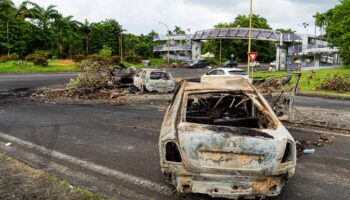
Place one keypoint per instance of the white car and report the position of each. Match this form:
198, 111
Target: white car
255, 64
273, 64
228, 72
154, 80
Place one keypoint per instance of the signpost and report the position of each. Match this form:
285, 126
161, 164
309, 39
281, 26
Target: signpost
250, 34
252, 57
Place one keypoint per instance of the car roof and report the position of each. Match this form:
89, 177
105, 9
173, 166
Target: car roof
224, 83
230, 69
153, 70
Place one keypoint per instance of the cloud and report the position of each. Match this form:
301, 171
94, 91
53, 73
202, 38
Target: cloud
142, 16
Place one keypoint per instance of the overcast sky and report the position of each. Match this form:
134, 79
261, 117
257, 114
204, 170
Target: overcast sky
141, 16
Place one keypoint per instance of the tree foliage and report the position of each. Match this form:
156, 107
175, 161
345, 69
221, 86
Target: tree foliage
30, 27
336, 22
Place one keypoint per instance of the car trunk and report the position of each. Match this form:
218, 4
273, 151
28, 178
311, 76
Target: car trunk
220, 149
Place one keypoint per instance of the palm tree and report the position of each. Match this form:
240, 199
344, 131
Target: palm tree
44, 16
85, 29
8, 12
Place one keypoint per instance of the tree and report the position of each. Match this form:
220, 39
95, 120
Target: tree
179, 31
288, 30
337, 26
105, 33
85, 30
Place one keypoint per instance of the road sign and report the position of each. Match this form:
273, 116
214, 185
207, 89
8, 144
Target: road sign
253, 56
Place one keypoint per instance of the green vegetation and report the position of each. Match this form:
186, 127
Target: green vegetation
29, 27
336, 23
156, 62
319, 75
53, 66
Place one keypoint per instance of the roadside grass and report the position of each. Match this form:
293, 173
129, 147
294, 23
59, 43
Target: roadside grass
156, 63
25, 182
54, 66
319, 76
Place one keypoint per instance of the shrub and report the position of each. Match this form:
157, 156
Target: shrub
113, 60
133, 59
6, 58
37, 59
78, 58
336, 83
105, 52
96, 58
46, 54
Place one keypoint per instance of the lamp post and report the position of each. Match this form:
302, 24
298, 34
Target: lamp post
250, 35
121, 44
167, 27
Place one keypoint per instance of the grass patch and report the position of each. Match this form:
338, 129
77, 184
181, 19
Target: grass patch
54, 66
156, 63
318, 77
25, 182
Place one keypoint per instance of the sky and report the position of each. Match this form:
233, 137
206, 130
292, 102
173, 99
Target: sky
142, 16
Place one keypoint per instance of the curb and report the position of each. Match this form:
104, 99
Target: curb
37, 73
325, 96
325, 125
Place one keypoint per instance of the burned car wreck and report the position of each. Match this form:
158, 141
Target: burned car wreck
224, 140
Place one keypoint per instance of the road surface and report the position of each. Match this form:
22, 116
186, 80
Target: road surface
31, 81
113, 150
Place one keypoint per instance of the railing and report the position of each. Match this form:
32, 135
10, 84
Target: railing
172, 37
186, 47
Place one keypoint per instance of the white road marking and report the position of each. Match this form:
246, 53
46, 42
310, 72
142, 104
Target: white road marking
155, 187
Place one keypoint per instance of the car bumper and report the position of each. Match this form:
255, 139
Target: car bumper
231, 187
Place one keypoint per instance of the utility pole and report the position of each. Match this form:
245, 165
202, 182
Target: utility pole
121, 46
167, 27
220, 49
250, 35
8, 37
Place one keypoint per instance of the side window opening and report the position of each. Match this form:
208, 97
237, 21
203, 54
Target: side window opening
172, 153
159, 76
213, 72
233, 109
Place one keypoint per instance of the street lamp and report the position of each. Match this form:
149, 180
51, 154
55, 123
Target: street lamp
167, 27
121, 44
250, 35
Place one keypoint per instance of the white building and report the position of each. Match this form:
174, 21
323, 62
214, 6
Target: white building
180, 46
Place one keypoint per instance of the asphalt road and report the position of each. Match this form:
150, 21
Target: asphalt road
124, 138
31, 81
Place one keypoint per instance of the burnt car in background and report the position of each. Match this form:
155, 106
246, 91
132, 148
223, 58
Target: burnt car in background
223, 139
154, 80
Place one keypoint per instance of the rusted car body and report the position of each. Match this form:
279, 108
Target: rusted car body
223, 139
154, 80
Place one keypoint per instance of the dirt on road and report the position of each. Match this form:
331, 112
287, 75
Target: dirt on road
20, 181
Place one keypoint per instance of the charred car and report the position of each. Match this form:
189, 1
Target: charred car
223, 139
154, 80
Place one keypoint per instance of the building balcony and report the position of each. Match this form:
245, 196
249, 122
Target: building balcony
164, 48
159, 38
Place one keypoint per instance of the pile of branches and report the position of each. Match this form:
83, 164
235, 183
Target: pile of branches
96, 76
338, 83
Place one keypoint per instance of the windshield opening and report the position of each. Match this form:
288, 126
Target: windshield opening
159, 76
233, 109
